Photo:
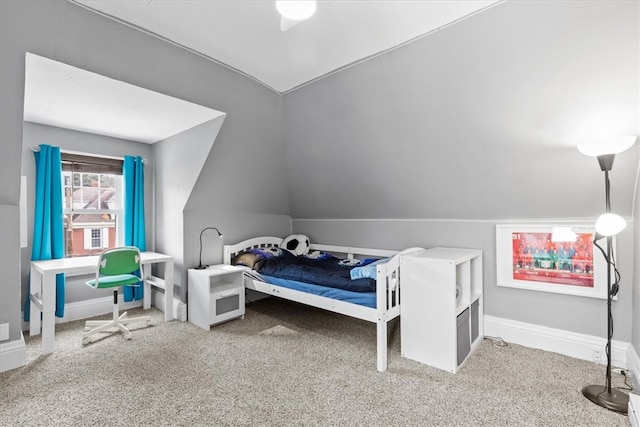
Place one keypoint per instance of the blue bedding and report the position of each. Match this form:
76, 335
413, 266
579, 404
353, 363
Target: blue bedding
318, 268
367, 299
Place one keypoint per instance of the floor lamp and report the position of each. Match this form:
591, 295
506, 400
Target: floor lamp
608, 225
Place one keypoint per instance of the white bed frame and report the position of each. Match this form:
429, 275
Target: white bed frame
387, 287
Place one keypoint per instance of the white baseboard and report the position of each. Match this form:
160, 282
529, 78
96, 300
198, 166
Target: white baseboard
580, 346
94, 307
633, 364
97, 306
13, 354
89, 308
179, 308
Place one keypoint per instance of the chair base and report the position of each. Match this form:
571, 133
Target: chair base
117, 324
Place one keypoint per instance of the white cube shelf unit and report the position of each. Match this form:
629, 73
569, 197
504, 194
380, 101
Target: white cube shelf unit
441, 307
216, 294
634, 409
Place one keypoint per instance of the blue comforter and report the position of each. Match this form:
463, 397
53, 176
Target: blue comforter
326, 270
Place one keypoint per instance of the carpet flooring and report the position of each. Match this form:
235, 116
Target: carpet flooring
287, 364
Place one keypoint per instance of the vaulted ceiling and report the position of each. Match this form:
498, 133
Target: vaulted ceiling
246, 35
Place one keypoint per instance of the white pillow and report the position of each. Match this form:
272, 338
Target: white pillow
297, 244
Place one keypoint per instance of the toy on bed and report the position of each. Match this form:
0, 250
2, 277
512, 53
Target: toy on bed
356, 282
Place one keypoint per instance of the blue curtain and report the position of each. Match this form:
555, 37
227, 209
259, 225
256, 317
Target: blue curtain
48, 234
134, 235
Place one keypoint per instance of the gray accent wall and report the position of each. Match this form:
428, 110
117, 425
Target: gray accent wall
566, 312
435, 143
479, 120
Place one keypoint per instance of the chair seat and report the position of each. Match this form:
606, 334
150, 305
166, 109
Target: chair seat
114, 281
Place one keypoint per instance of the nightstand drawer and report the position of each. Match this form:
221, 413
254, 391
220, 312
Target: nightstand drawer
226, 303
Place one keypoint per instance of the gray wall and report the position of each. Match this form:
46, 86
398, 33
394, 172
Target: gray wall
179, 161
251, 135
477, 123
70, 140
635, 319
578, 314
635, 283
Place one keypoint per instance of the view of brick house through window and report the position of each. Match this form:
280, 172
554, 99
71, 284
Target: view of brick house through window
92, 203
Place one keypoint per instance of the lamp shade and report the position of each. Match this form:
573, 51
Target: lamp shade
607, 146
296, 10
610, 224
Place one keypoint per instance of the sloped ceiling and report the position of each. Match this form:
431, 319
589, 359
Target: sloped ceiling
246, 35
478, 121
63, 96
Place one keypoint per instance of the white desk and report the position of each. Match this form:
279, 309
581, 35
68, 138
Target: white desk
42, 289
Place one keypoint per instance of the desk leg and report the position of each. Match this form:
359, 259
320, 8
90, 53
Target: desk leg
48, 312
168, 291
35, 288
146, 295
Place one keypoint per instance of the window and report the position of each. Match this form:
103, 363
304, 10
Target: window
92, 191
96, 238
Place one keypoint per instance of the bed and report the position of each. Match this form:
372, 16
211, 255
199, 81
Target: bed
379, 303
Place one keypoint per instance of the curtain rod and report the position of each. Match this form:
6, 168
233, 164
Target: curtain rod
36, 149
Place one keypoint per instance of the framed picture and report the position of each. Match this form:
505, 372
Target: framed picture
551, 258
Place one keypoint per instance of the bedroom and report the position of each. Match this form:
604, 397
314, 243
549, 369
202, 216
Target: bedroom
426, 157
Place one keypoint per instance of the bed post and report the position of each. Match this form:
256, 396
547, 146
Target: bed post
382, 344
226, 254
382, 284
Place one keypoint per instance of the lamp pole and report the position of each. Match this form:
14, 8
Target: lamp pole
606, 396
609, 296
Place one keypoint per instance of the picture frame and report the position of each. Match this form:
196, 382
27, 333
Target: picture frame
543, 257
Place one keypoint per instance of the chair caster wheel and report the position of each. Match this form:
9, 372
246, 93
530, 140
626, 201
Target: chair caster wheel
86, 341
128, 336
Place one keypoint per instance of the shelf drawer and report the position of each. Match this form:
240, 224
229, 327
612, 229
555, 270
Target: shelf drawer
475, 327
463, 337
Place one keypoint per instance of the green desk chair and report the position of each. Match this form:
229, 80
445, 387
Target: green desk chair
116, 267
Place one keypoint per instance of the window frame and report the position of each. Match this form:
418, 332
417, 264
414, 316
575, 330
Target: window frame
76, 163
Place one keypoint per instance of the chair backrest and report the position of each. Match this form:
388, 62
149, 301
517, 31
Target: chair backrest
122, 260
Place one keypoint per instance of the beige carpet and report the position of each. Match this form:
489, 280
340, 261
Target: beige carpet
287, 364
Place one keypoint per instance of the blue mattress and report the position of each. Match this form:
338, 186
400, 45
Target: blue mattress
367, 299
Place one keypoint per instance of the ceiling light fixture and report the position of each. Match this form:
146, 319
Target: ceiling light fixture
294, 11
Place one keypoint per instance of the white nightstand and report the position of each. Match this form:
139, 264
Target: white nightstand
216, 294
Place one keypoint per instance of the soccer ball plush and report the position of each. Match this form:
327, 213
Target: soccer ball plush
317, 255
270, 252
297, 244
275, 252
350, 262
